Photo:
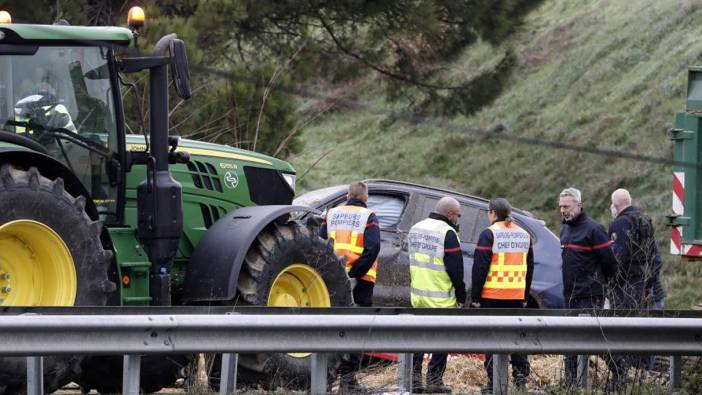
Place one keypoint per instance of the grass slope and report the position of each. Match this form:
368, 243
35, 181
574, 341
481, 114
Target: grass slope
608, 74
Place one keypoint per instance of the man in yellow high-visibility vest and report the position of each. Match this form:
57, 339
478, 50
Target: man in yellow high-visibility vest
356, 234
503, 265
436, 271
43, 108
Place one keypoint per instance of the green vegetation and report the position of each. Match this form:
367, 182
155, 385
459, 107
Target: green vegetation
595, 73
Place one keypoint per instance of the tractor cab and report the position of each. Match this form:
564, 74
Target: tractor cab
61, 96
61, 114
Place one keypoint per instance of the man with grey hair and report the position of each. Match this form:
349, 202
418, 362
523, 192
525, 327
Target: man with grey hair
436, 279
588, 261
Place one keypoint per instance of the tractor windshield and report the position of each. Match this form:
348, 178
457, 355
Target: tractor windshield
62, 98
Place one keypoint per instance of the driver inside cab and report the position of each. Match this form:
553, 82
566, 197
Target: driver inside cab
42, 109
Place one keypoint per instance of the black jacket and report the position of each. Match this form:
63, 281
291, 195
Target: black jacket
371, 242
481, 265
638, 280
588, 261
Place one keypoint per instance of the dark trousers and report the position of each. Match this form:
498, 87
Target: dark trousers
363, 297
435, 371
363, 293
520, 362
616, 364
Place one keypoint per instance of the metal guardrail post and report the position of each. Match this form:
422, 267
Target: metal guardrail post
130, 374
227, 381
404, 372
319, 374
582, 378
500, 375
35, 375
675, 372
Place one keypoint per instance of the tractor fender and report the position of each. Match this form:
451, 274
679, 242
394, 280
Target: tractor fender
213, 270
51, 169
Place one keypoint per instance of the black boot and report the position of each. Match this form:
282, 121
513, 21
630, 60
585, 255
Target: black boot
520, 382
417, 387
350, 385
487, 389
436, 386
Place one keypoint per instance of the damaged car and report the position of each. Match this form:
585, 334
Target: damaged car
399, 205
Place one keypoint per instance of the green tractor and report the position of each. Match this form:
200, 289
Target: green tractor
93, 216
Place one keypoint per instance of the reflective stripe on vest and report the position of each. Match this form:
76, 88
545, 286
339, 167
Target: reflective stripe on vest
506, 279
345, 225
53, 112
431, 284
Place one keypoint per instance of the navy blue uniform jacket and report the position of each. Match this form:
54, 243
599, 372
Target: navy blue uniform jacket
588, 261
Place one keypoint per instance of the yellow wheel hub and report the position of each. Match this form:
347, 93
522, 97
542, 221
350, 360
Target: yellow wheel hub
36, 267
299, 285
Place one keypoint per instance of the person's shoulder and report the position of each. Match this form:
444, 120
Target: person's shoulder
487, 232
621, 221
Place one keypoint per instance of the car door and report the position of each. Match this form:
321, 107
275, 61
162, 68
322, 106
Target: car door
390, 207
481, 222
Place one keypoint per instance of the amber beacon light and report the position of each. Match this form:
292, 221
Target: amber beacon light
5, 18
136, 18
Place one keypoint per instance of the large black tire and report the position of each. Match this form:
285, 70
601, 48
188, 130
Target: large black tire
277, 248
104, 373
27, 195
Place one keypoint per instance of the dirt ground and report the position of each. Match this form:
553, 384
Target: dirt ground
464, 374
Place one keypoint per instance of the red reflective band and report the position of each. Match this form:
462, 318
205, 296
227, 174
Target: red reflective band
483, 248
577, 247
372, 224
449, 250
603, 245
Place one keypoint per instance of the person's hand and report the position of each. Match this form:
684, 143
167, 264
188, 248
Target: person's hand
524, 304
460, 305
353, 282
475, 305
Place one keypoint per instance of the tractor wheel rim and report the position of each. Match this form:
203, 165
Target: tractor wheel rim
299, 285
36, 267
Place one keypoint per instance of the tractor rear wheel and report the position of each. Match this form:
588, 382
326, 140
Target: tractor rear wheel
50, 255
288, 265
104, 373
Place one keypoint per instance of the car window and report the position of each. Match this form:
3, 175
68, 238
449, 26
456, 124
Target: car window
427, 207
387, 208
467, 223
481, 223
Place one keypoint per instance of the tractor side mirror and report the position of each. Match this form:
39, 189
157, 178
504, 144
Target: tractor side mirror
179, 69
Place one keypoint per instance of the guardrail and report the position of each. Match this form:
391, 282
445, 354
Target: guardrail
134, 335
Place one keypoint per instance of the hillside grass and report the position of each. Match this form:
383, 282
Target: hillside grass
597, 73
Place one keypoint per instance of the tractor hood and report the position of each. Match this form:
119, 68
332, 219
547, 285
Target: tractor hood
199, 148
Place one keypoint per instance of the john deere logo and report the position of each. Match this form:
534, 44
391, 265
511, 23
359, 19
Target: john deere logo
231, 179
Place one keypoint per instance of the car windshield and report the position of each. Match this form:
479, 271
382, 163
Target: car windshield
61, 97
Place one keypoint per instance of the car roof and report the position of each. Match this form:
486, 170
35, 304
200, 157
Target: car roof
380, 183
375, 182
